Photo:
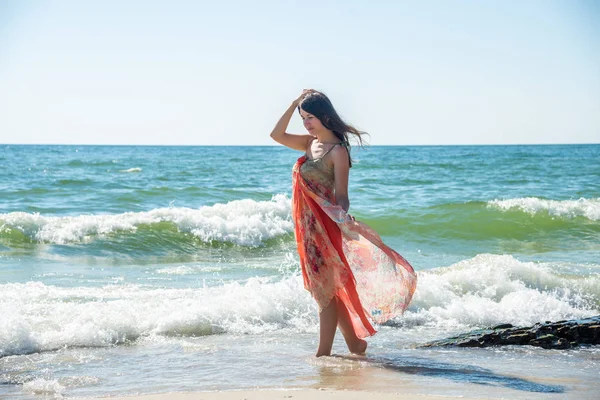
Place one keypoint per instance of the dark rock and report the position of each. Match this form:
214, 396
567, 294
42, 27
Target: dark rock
561, 343
539, 343
470, 343
519, 338
546, 338
549, 335
569, 332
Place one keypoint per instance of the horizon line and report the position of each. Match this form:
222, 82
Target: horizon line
279, 145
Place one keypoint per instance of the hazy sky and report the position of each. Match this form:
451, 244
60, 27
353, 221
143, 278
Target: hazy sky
222, 72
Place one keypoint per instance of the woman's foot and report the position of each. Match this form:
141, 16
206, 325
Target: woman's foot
360, 348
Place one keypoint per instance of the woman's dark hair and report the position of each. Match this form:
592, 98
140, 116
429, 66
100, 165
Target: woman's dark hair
319, 105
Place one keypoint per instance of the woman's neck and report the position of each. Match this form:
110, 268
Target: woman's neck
327, 137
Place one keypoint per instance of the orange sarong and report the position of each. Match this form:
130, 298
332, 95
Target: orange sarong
347, 259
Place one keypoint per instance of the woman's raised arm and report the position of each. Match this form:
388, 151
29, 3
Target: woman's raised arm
279, 134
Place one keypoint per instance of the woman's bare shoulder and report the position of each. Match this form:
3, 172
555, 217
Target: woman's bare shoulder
340, 154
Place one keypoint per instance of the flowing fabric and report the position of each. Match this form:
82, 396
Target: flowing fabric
344, 258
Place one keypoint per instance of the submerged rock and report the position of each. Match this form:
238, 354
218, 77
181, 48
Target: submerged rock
549, 335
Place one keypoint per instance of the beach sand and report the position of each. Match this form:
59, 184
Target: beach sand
336, 382
313, 394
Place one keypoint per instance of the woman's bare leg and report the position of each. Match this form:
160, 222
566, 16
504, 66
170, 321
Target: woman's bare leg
328, 319
355, 344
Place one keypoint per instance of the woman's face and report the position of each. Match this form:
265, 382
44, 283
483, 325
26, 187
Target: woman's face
311, 123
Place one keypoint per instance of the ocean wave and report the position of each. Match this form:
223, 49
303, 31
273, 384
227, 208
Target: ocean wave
130, 170
38, 317
479, 292
587, 208
254, 223
480, 221
491, 289
244, 222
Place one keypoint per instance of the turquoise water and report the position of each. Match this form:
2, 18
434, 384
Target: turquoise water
112, 255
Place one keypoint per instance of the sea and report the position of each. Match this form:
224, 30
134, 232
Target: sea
149, 269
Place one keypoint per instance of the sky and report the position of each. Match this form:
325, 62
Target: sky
222, 72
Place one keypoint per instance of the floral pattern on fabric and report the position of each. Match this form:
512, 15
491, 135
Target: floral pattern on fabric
345, 258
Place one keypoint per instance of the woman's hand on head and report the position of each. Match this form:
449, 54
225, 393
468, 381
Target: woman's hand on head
305, 93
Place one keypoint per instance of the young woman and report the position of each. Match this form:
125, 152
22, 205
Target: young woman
354, 277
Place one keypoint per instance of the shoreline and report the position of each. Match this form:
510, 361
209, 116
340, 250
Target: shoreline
286, 394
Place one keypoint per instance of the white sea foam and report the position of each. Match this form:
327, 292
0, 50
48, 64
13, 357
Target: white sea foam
588, 208
130, 170
492, 289
482, 291
187, 270
245, 222
41, 386
38, 317
180, 270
